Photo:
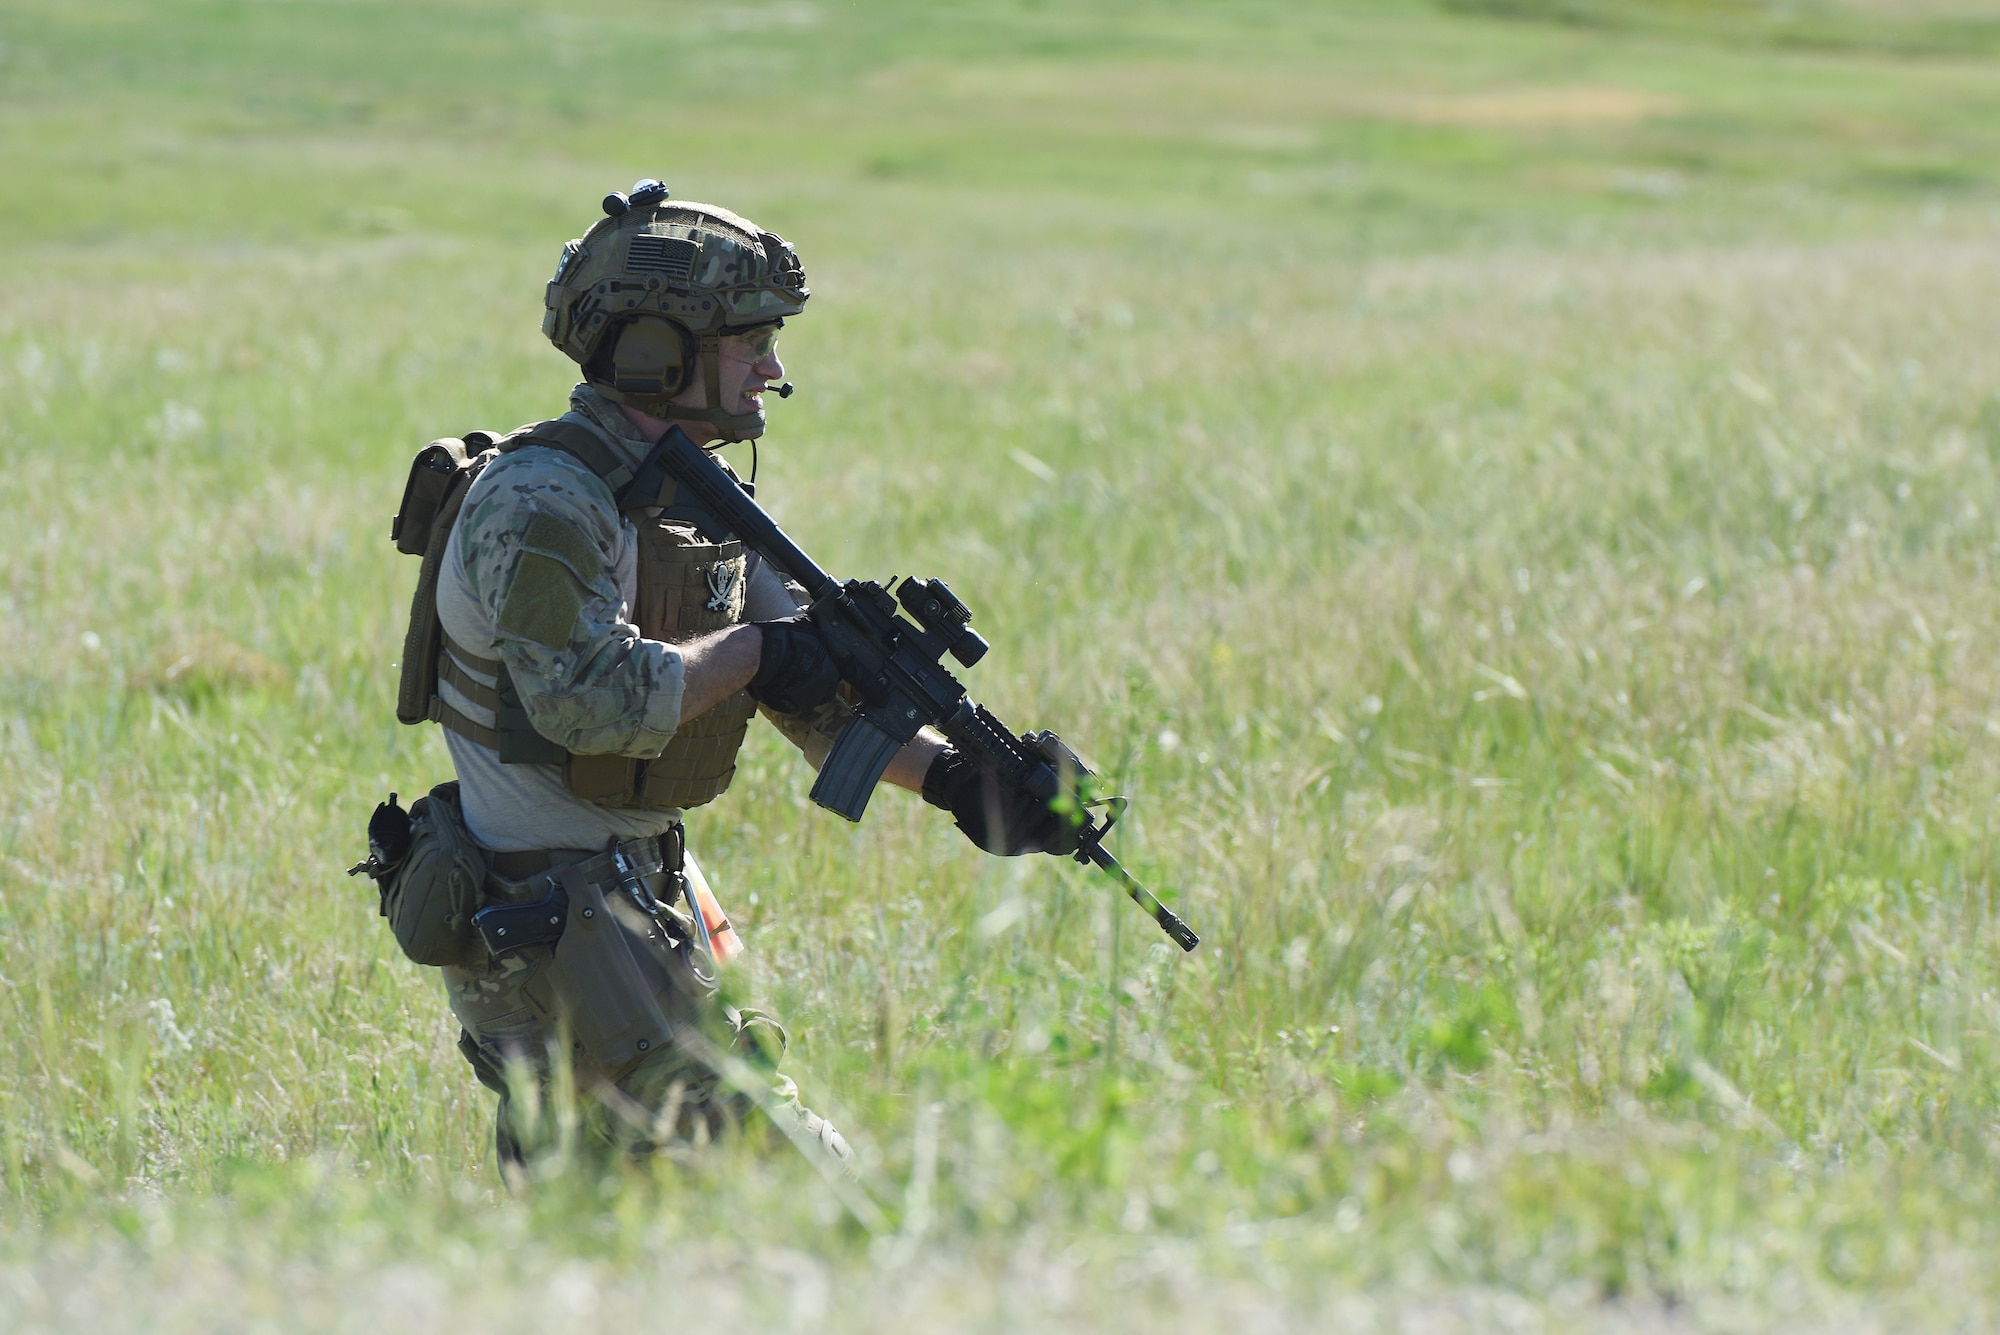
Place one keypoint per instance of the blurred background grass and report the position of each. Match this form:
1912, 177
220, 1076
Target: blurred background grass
1505, 484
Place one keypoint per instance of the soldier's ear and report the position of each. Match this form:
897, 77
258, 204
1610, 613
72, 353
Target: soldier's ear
651, 357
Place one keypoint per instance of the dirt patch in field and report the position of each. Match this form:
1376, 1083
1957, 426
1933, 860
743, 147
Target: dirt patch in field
1263, 107
208, 665
1531, 108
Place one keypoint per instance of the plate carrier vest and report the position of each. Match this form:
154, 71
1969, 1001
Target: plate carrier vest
692, 577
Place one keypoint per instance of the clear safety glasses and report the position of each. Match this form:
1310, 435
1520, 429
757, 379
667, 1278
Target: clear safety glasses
753, 344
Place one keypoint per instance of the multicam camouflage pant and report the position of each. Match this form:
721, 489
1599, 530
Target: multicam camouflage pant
547, 1020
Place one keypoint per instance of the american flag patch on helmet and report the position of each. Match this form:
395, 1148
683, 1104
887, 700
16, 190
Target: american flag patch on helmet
668, 255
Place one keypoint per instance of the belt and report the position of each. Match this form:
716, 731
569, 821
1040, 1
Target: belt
520, 866
656, 852
527, 901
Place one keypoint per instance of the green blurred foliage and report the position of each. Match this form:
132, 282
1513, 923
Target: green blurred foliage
1506, 488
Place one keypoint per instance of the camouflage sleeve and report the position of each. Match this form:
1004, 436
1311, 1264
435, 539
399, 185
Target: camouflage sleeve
548, 559
767, 598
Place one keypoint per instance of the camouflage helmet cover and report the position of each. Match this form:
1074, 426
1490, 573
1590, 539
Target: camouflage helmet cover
640, 294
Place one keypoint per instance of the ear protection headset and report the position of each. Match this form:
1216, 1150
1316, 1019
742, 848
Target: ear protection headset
649, 356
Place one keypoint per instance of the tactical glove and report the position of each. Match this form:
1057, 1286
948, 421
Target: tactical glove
998, 817
796, 674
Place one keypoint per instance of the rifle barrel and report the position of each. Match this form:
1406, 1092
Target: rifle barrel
1169, 921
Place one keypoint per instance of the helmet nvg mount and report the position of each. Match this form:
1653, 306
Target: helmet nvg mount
648, 292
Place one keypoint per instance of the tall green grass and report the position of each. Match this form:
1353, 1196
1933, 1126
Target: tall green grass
1512, 502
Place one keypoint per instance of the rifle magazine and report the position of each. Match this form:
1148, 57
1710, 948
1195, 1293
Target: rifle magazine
854, 766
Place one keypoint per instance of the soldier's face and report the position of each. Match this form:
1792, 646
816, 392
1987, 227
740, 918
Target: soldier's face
749, 361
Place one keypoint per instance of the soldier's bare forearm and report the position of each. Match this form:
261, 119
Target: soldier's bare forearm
717, 666
909, 765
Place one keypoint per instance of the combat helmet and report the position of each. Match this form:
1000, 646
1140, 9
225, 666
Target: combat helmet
653, 287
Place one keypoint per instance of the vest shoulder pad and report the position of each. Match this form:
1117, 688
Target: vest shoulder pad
579, 442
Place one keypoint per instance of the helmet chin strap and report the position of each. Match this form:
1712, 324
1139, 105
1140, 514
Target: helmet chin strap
735, 426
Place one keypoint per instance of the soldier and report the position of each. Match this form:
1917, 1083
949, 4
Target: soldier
602, 655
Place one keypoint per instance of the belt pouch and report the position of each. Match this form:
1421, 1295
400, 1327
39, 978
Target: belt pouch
611, 972
430, 899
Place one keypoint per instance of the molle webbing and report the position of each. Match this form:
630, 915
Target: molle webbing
452, 661
450, 670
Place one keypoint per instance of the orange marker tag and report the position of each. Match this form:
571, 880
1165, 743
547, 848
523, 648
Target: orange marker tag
722, 937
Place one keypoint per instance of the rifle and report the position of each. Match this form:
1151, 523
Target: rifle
896, 666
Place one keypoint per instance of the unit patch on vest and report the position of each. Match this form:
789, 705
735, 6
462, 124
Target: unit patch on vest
722, 580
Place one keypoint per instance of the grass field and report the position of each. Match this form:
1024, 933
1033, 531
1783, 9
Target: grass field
1509, 487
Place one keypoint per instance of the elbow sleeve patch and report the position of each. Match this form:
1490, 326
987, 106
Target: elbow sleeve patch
543, 602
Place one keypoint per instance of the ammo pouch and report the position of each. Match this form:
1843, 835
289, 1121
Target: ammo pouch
430, 898
440, 476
